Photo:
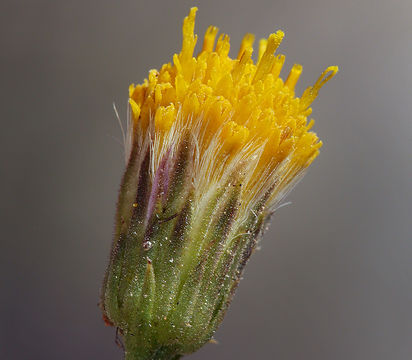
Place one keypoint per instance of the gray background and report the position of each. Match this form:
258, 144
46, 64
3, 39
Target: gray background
333, 278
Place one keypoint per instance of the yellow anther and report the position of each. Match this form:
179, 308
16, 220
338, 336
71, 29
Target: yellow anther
247, 44
209, 39
262, 48
293, 76
135, 109
267, 60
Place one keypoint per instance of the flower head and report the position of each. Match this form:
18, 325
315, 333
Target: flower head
213, 145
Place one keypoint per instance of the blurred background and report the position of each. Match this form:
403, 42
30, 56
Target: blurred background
333, 279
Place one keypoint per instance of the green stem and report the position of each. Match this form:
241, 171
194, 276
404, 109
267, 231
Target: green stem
133, 351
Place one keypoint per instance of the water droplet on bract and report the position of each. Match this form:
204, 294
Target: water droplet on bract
147, 245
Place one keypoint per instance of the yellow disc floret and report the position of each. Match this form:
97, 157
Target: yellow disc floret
232, 103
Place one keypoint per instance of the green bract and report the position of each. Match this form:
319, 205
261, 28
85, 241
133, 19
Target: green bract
174, 265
